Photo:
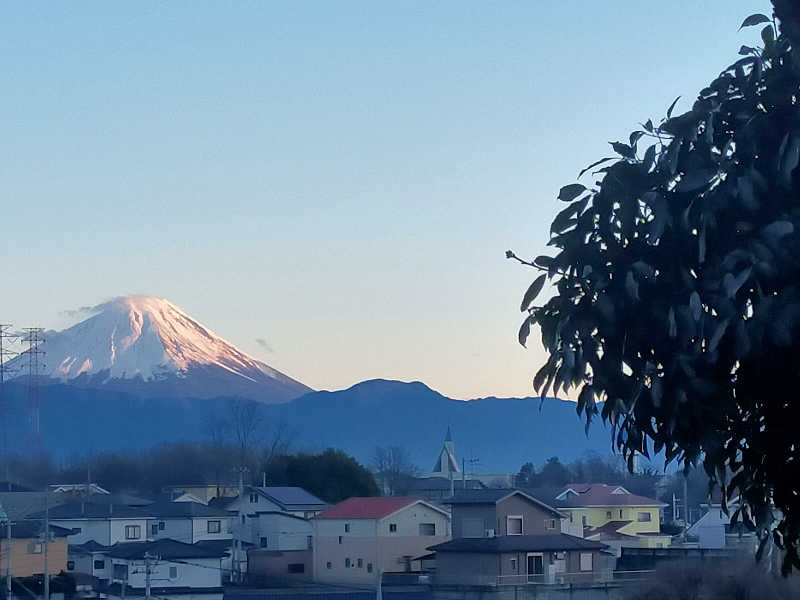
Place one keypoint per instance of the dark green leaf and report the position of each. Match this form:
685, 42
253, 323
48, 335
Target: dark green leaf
594, 164
569, 192
695, 306
672, 107
524, 330
768, 36
632, 287
622, 149
747, 195
564, 220
695, 180
719, 331
533, 291
650, 157
744, 50
755, 19
732, 284
778, 229
634, 137
649, 125
544, 262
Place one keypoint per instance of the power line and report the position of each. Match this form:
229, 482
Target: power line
33, 336
5, 337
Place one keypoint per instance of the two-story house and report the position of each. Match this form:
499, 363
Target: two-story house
188, 522
613, 515
27, 548
359, 538
508, 537
106, 524
177, 571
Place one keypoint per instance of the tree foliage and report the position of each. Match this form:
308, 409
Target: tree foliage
677, 279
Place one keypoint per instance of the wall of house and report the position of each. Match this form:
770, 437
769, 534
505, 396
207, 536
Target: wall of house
85, 563
264, 566
369, 547
598, 516
97, 530
200, 531
463, 567
118, 530
535, 519
710, 528
484, 514
244, 505
282, 532
176, 529
25, 563
202, 573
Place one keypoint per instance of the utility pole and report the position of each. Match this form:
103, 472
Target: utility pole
238, 531
8, 560
4, 408
147, 557
46, 547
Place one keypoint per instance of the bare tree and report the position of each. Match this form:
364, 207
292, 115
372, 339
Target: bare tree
394, 469
245, 422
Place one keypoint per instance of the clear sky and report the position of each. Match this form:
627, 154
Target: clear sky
339, 179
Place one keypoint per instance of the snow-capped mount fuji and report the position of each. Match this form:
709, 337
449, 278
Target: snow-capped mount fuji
148, 346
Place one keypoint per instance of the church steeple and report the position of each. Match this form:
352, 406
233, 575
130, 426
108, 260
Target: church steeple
446, 464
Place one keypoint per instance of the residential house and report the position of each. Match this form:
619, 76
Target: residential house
613, 515
497, 512
520, 559
178, 571
509, 537
203, 492
359, 538
187, 522
21, 505
285, 499
27, 548
106, 524
90, 558
714, 530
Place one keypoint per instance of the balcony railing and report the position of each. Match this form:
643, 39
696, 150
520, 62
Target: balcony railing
578, 578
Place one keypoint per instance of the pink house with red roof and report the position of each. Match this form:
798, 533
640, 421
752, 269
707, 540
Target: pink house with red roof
357, 539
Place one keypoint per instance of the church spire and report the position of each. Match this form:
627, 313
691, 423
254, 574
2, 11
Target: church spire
446, 464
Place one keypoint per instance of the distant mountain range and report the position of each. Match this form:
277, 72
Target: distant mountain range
502, 433
140, 371
149, 347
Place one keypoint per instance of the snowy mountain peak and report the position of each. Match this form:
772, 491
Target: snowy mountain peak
151, 343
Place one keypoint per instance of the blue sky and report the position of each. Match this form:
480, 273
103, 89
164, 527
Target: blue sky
338, 179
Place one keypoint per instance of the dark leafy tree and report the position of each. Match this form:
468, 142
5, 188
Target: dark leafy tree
677, 279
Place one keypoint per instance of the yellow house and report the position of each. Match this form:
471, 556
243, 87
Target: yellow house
613, 515
27, 549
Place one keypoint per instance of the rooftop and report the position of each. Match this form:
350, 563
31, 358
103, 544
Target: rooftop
519, 543
579, 495
32, 529
366, 508
90, 510
164, 548
493, 496
185, 509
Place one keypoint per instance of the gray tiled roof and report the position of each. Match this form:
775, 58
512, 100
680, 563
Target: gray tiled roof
19, 505
184, 509
164, 548
519, 543
289, 496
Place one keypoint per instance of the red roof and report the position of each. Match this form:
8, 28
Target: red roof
365, 508
602, 494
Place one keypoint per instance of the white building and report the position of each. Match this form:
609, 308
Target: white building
188, 522
713, 530
178, 571
359, 538
106, 524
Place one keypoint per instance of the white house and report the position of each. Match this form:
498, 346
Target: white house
188, 522
713, 530
90, 558
178, 571
359, 538
286, 499
106, 524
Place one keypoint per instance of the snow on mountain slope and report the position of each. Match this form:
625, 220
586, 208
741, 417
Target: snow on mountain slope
150, 346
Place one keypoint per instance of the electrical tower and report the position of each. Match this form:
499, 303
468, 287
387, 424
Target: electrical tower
33, 337
6, 337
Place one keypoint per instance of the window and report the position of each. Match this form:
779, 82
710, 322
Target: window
34, 548
161, 525
328, 565
514, 525
360, 563
263, 542
173, 572
392, 527
154, 529
253, 498
513, 565
79, 529
570, 517
214, 526
549, 523
583, 520
643, 517
70, 565
369, 567
99, 565
121, 572
310, 540
297, 568
243, 519
586, 561
427, 528
340, 539
133, 532
347, 563
608, 514
620, 513
347, 527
